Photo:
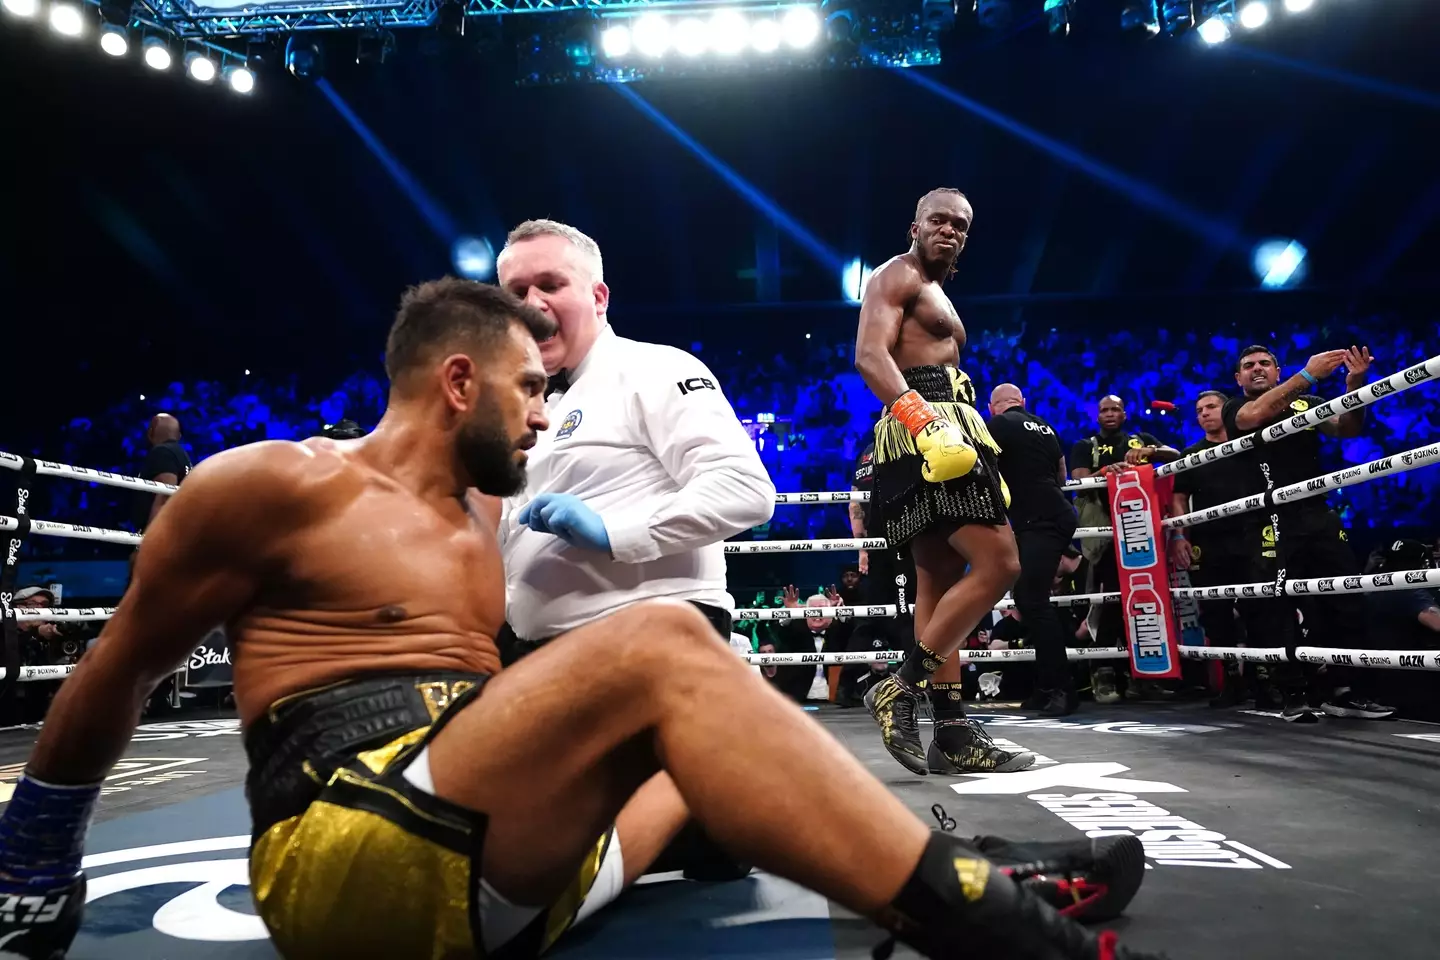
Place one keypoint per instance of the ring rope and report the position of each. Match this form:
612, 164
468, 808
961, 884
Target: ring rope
1354, 400
48, 468
1315, 486
1381, 659
51, 528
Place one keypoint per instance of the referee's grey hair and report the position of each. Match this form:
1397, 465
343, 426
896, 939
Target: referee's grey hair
554, 228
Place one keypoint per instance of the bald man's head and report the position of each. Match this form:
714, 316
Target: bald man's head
163, 428
1004, 397
1112, 412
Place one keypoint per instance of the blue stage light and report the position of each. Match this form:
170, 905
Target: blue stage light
473, 257
1279, 263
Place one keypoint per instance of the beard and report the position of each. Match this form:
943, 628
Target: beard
488, 454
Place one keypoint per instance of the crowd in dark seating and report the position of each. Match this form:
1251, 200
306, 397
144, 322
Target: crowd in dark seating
822, 411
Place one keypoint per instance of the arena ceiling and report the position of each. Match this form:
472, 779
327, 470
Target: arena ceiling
156, 226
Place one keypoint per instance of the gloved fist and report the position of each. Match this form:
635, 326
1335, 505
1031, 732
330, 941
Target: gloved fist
948, 456
39, 924
566, 516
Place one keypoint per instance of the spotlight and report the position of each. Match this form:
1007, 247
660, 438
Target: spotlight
65, 19
240, 78
690, 40
1215, 30
1254, 15
1299, 6
304, 58
765, 35
615, 42
728, 32
1058, 16
374, 46
1279, 263
157, 54
1139, 19
22, 8
113, 40
651, 35
200, 67
473, 257
1178, 15
853, 281
800, 27
261, 55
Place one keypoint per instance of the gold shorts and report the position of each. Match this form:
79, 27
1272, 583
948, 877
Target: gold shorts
358, 858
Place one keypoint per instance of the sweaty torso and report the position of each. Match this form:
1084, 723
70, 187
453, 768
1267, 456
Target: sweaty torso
931, 332
381, 581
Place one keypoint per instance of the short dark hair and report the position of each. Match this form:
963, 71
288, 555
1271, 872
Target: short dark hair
938, 190
446, 313
1217, 394
1255, 348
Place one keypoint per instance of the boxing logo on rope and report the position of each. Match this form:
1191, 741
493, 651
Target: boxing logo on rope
1416, 375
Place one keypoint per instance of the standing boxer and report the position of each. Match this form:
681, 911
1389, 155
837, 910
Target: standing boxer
1033, 465
937, 486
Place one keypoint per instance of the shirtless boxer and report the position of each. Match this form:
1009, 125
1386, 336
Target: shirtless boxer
406, 793
937, 487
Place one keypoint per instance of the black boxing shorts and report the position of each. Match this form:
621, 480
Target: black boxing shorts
905, 501
352, 854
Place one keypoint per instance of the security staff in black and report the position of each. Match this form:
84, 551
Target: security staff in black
1110, 450
166, 462
889, 580
1212, 552
1304, 538
1033, 465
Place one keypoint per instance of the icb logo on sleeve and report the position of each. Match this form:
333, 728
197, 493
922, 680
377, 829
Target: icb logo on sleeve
569, 425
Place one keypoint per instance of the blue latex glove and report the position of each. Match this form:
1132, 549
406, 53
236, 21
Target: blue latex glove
567, 517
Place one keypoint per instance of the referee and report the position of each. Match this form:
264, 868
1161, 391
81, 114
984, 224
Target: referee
644, 471
1033, 465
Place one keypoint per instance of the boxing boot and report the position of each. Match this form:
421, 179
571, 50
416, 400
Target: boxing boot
958, 905
1091, 880
40, 923
963, 746
893, 703
948, 455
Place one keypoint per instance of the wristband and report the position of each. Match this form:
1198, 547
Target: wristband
1306, 374
42, 832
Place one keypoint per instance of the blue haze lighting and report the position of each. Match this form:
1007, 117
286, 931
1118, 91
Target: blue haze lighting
853, 280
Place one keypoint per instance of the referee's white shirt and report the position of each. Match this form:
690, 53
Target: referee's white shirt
645, 437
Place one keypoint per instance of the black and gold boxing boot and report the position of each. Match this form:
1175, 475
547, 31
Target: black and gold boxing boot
894, 702
961, 745
958, 905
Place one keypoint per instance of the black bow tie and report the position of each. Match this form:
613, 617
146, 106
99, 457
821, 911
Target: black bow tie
559, 383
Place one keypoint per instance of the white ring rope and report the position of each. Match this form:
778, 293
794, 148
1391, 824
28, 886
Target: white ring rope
47, 468
1314, 487
1354, 400
70, 531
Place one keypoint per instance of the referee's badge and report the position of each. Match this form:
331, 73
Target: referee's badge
569, 424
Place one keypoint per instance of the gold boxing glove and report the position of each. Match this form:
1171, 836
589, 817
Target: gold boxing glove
948, 455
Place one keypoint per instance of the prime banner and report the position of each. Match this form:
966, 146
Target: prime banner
1135, 500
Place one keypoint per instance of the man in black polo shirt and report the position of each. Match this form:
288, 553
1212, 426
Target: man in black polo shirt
1033, 465
167, 462
1215, 551
889, 579
1110, 451
1303, 538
